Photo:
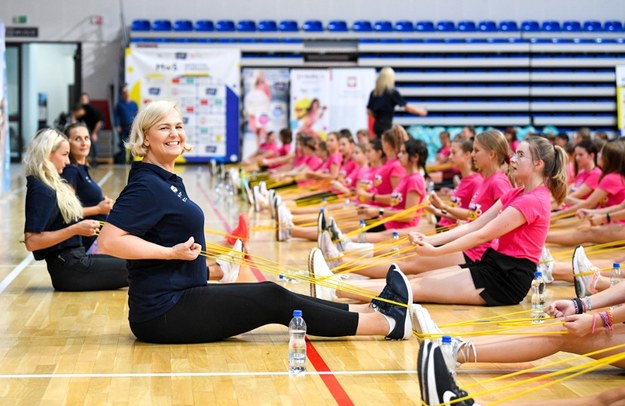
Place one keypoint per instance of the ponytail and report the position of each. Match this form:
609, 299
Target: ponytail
554, 170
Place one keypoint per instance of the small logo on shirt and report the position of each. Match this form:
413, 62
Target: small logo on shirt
179, 194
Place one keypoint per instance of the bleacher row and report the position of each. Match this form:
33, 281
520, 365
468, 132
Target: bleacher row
377, 26
464, 73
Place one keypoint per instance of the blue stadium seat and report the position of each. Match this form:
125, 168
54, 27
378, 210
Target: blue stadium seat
571, 25
466, 25
383, 26
140, 25
246, 25
613, 25
312, 26
183, 25
487, 26
445, 25
592, 25
288, 26
404, 26
551, 25
530, 25
337, 26
424, 25
204, 25
161, 25
362, 26
225, 25
508, 25
267, 26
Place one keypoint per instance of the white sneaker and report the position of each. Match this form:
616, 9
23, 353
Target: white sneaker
585, 274
318, 270
545, 265
329, 250
230, 263
262, 187
283, 229
259, 200
236, 179
422, 322
358, 249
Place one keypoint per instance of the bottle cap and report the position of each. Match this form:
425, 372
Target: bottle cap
395, 234
446, 339
362, 223
616, 265
281, 276
538, 274
297, 313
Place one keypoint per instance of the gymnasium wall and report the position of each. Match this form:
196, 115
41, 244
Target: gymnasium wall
70, 20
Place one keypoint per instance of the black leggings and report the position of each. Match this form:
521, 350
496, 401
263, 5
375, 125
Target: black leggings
218, 311
72, 270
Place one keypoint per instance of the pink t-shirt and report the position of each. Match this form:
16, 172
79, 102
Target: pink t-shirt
269, 147
614, 185
527, 240
382, 180
313, 162
491, 190
284, 150
347, 168
355, 176
334, 159
589, 178
570, 173
463, 193
300, 159
407, 184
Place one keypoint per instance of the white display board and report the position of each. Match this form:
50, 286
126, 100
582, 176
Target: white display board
205, 83
620, 99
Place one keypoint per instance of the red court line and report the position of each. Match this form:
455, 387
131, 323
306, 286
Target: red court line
333, 385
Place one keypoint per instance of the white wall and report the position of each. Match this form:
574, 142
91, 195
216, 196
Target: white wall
69, 20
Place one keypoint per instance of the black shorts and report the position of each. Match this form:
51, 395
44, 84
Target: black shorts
505, 280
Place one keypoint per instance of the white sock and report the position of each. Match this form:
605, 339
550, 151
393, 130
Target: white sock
391, 323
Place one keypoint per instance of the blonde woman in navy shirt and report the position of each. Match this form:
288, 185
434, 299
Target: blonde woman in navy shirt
160, 230
96, 206
53, 230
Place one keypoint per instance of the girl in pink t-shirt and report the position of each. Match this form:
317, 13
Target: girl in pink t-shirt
388, 176
330, 168
409, 192
490, 153
519, 219
458, 206
587, 172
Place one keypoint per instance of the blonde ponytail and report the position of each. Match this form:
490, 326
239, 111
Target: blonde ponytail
37, 163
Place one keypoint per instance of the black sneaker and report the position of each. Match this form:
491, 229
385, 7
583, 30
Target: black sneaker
321, 223
440, 386
424, 353
398, 290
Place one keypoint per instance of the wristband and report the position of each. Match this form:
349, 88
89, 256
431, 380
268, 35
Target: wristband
373, 197
588, 303
444, 212
578, 306
381, 212
608, 218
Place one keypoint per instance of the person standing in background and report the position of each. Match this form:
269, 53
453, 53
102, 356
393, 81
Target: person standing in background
125, 111
94, 119
384, 98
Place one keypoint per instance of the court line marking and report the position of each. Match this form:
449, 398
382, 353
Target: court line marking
327, 376
30, 258
255, 374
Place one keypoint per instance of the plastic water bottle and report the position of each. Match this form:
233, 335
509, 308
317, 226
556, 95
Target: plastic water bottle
449, 351
538, 298
395, 246
362, 237
616, 278
297, 344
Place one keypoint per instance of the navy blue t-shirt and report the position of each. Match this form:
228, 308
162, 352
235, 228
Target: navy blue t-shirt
155, 207
43, 214
87, 191
383, 108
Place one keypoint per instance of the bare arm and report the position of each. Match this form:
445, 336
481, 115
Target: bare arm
502, 224
46, 239
577, 196
414, 110
591, 202
119, 243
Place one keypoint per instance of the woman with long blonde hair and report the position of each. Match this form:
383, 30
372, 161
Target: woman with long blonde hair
53, 230
384, 98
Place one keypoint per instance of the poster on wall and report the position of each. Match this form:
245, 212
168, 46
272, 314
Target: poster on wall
204, 83
349, 95
265, 99
310, 98
5, 153
620, 99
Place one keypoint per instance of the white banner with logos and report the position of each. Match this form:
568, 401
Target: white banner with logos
620, 99
349, 96
204, 83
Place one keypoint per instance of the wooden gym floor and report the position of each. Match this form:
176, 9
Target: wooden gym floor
76, 348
